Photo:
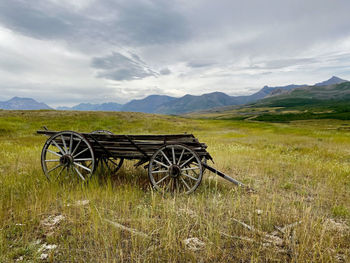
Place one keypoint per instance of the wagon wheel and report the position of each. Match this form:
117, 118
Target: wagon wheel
111, 163
67, 155
175, 168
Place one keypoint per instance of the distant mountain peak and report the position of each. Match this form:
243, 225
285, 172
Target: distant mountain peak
17, 103
331, 81
336, 78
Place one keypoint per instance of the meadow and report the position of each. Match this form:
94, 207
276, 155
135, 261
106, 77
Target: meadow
300, 211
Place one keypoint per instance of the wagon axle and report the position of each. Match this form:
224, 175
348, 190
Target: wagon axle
174, 171
66, 159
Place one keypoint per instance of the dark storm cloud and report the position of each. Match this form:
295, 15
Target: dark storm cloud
119, 22
120, 67
38, 19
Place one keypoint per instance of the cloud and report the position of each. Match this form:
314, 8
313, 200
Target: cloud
165, 71
119, 67
199, 64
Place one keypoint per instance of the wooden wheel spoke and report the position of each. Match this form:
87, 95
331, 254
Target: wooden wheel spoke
54, 168
162, 164
161, 180
86, 149
166, 158
173, 152
182, 153
52, 160
182, 165
59, 173
76, 147
159, 171
59, 147
189, 188
64, 143
80, 175
189, 176
193, 171
169, 184
82, 166
55, 153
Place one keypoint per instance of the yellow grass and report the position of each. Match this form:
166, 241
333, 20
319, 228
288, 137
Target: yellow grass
300, 171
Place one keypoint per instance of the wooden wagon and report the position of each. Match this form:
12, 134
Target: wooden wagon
175, 162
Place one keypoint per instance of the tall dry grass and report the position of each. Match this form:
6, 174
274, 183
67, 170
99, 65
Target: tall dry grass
300, 171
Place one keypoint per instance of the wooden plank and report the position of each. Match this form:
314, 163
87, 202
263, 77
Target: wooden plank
153, 146
133, 137
119, 145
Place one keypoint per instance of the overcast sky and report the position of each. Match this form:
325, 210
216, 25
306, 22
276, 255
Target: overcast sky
64, 52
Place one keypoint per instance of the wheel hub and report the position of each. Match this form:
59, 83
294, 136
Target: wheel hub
66, 159
174, 171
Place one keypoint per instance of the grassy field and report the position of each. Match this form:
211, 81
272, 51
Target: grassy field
300, 212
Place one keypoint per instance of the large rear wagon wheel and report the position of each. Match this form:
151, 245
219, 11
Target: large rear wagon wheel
113, 164
67, 156
175, 168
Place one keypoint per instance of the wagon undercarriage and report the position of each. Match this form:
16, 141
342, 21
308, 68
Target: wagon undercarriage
175, 162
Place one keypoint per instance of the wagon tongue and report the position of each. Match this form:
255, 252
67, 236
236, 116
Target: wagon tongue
228, 178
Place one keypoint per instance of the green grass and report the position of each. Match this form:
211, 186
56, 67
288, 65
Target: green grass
299, 169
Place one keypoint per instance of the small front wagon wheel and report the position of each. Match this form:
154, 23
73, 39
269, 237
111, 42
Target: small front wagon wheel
67, 155
175, 168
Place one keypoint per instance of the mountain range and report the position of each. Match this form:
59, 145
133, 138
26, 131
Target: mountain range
109, 106
163, 104
171, 105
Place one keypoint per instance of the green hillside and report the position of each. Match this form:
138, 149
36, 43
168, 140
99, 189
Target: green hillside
314, 95
315, 102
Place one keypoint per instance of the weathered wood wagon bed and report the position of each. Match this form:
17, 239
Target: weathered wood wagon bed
175, 162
